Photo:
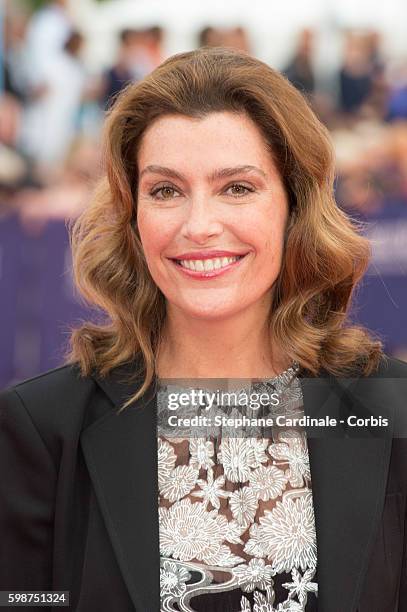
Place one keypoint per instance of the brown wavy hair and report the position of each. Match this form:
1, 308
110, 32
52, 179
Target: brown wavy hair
325, 255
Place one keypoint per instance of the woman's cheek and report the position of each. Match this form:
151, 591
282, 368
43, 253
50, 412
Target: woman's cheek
147, 225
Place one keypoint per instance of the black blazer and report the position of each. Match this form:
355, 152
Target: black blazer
78, 492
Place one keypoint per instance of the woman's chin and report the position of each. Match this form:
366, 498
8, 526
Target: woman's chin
208, 312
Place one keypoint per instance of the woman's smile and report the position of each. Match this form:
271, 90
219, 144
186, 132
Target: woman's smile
205, 266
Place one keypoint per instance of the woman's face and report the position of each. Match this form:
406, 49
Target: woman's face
212, 212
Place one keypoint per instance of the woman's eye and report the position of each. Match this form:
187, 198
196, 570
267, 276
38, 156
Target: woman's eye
238, 190
165, 192
168, 192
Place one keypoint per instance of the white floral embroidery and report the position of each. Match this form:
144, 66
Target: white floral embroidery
212, 490
257, 451
286, 534
254, 545
289, 606
235, 456
245, 605
255, 575
294, 450
173, 579
224, 558
233, 532
268, 482
301, 585
188, 531
201, 453
243, 504
238, 510
179, 483
166, 461
260, 604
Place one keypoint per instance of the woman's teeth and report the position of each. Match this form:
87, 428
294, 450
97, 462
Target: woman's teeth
206, 265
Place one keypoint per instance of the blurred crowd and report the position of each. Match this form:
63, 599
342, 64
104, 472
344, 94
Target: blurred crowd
52, 110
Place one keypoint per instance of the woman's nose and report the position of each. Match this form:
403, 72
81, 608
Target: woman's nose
201, 221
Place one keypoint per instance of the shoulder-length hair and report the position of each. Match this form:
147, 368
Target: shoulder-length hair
325, 256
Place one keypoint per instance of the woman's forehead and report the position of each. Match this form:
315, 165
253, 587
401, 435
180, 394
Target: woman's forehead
217, 141
181, 125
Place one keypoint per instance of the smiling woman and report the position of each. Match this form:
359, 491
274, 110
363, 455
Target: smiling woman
216, 249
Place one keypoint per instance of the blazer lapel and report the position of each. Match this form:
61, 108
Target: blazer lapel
121, 455
349, 474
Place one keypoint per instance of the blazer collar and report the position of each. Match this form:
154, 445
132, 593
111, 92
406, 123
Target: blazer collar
120, 451
349, 470
349, 476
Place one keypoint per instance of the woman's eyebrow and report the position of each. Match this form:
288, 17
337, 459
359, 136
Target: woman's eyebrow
221, 173
163, 171
227, 172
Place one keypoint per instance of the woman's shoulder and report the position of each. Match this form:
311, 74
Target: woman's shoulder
385, 367
390, 367
59, 384
55, 402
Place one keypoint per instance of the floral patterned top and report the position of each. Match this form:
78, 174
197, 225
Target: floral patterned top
237, 530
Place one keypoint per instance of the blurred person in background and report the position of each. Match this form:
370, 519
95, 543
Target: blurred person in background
47, 32
397, 99
13, 167
357, 73
123, 71
375, 106
236, 38
140, 51
209, 37
154, 44
148, 52
49, 122
12, 96
301, 73
300, 69
13, 51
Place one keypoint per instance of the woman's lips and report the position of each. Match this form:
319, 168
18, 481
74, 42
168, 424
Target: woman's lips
207, 274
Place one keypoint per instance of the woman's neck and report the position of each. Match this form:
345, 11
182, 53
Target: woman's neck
238, 347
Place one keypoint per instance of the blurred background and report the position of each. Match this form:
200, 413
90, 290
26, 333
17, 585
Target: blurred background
63, 63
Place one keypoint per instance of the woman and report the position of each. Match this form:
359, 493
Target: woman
217, 251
